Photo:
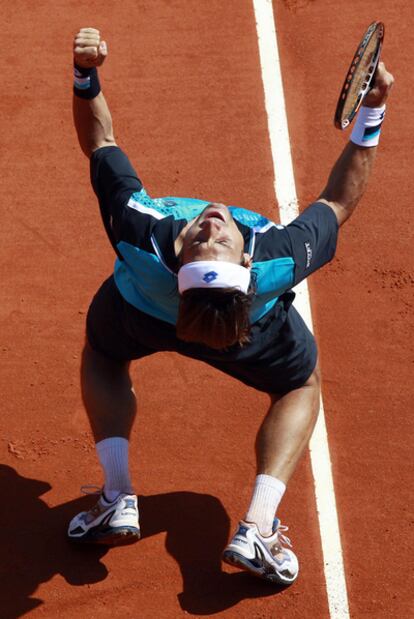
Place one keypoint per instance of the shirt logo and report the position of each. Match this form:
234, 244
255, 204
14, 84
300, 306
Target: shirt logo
308, 254
210, 277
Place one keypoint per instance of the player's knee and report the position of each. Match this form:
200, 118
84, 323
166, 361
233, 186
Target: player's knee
314, 379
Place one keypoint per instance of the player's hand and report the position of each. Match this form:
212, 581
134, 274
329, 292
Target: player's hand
88, 49
383, 82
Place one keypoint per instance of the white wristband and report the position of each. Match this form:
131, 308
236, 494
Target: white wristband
367, 127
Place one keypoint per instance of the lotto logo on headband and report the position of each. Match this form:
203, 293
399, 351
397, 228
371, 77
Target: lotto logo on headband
210, 277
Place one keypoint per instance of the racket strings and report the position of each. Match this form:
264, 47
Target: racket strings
360, 75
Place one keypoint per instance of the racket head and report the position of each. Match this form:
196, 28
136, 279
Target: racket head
360, 75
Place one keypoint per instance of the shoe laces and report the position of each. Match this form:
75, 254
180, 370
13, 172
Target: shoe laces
282, 538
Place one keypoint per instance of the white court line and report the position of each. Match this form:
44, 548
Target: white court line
285, 191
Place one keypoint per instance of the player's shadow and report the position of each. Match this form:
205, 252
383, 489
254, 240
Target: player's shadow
33, 544
34, 547
198, 529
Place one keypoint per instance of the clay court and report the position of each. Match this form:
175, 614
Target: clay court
184, 84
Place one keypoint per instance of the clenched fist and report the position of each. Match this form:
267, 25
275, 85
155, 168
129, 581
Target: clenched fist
88, 49
378, 94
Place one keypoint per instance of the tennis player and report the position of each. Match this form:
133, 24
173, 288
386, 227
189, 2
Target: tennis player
212, 282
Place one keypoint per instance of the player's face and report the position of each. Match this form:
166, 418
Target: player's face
213, 235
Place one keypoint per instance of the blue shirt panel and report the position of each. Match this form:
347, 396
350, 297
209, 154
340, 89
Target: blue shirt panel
146, 284
189, 208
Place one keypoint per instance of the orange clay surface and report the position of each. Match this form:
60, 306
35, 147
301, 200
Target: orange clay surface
184, 85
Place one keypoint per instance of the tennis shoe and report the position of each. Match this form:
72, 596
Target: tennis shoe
267, 557
113, 523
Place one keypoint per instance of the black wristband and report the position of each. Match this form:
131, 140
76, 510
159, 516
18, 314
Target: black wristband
86, 82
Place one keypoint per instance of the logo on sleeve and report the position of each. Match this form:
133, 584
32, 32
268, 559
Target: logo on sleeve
210, 277
308, 255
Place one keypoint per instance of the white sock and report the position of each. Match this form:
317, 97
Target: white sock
113, 456
267, 494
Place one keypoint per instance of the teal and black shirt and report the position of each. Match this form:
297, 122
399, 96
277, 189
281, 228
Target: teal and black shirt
142, 231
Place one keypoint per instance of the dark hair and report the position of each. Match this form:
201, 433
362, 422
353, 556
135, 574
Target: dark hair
216, 317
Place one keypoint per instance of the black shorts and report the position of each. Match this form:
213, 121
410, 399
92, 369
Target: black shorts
280, 357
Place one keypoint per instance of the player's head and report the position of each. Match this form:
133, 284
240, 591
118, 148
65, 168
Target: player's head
214, 282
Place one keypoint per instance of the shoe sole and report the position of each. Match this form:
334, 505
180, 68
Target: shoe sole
116, 536
237, 560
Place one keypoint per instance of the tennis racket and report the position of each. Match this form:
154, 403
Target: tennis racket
360, 75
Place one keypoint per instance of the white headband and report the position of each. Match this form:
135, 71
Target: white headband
213, 274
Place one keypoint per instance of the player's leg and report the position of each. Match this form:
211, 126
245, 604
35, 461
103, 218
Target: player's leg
108, 395
280, 443
287, 428
260, 545
110, 404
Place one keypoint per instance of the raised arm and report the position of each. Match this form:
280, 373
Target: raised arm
349, 176
91, 114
